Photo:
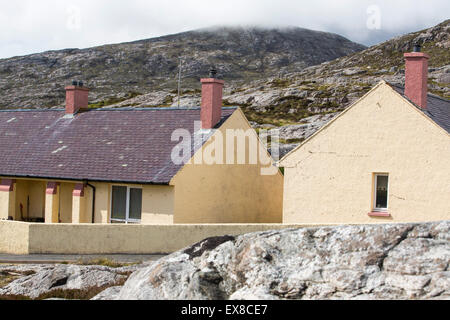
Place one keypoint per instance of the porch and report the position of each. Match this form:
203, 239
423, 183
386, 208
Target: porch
40, 201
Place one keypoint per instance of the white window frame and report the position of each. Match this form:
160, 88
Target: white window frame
127, 219
375, 185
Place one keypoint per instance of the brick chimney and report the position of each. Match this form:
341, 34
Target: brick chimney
76, 97
212, 90
416, 76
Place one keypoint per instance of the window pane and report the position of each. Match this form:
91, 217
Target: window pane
119, 203
135, 204
382, 192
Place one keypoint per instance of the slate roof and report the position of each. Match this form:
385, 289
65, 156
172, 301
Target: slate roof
113, 145
438, 109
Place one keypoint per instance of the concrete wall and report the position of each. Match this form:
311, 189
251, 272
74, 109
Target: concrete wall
221, 193
34, 238
330, 177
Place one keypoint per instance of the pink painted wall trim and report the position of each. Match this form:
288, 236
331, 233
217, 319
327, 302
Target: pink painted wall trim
76, 98
416, 77
379, 214
211, 112
52, 187
78, 191
7, 185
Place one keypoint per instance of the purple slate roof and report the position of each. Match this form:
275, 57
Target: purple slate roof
114, 145
438, 109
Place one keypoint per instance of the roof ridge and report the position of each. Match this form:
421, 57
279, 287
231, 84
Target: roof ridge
30, 110
115, 109
428, 93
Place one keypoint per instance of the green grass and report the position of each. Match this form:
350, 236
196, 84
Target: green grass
280, 83
113, 100
104, 262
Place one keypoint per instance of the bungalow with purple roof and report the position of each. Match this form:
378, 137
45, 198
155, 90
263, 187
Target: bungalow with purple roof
129, 165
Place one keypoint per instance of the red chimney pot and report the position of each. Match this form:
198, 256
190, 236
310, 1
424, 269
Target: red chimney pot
211, 111
76, 98
416, 78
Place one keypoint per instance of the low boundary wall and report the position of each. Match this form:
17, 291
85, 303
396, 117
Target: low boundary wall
33, 238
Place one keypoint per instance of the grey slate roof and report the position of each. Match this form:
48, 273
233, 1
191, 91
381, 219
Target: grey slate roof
438, 109
114, 145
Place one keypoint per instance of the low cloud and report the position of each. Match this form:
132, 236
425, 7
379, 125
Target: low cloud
28, 26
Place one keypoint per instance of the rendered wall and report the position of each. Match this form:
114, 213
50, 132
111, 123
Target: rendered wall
36, 191
30, 199
65, 202
329, 178
102, 202
14, 237
138, 239
157, 205
228, 193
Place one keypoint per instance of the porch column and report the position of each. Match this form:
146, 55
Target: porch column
7, 199
78, 203
52, 202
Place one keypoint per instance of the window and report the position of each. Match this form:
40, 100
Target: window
126, 205
381, 192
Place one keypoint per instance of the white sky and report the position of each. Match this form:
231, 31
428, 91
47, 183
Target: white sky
29, 26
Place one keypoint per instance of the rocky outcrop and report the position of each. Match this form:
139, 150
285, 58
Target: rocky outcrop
34, 281
397, 261
240, 55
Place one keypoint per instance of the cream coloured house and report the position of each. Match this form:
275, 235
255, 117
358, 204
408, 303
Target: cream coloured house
384, 159
82, 165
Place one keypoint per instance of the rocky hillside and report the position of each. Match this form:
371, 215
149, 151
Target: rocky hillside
127, 70
403, 261
326, 88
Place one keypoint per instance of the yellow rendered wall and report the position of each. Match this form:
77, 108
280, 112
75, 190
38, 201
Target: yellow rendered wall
86, 211
7, 205
102, 202
21, 188
129, 239
31, 195
329, 179
36, 190
65, 202
157, 204
14, 237
227, 193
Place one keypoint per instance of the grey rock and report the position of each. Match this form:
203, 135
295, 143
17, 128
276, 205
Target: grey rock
108, 294
52, 277
397, 261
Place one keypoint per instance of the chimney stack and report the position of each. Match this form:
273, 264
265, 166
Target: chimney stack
76, 97
416, 76
212, 90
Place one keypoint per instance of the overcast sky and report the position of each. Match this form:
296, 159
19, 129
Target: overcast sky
29, 26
